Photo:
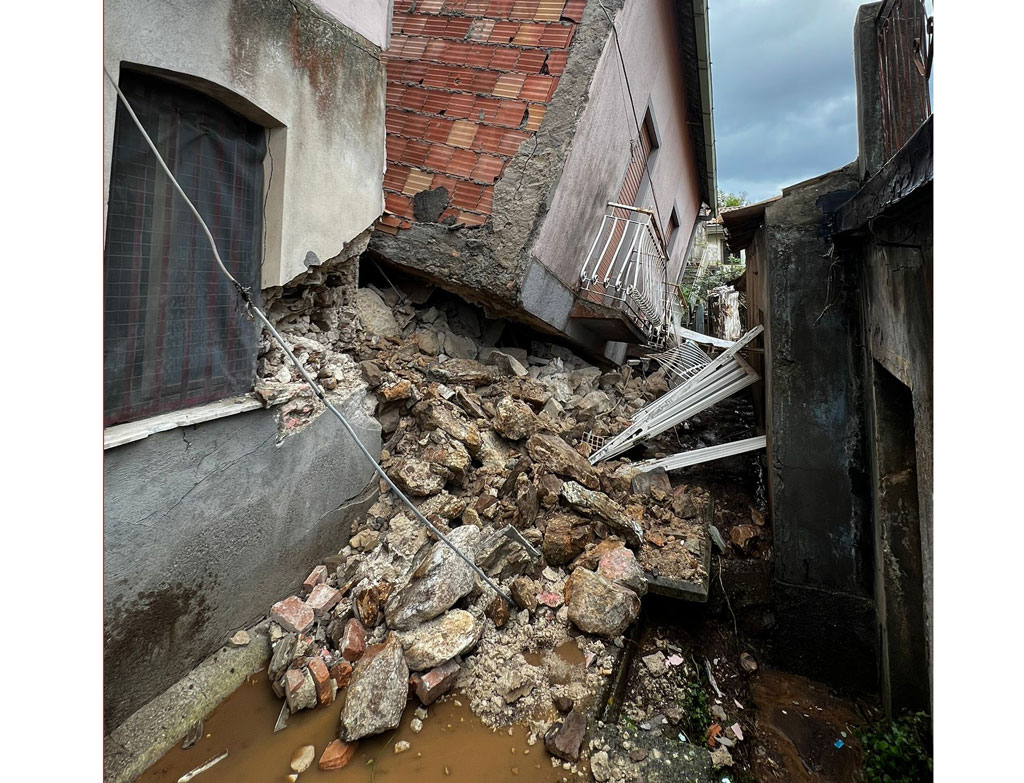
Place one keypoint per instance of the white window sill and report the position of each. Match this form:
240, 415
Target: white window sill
120, 434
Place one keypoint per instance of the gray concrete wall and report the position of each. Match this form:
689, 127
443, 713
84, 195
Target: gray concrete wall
818, 473
370, 18
205, 527
896, 301
600, 150
287, 66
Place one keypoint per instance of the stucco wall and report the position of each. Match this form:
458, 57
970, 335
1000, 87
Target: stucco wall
205, 527
600, 150
289, 67
370, 18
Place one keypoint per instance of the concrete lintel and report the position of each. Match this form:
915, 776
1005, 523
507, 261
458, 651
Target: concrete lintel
120, 434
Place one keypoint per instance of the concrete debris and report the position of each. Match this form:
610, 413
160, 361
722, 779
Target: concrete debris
491, 443
302, 758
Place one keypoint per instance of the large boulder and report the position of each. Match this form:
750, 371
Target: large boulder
374, 314
598, 605
440, 639
565, 537
556, 456
598, 504
419, 477
443, 415
441, 580
377, 693
620, 566
513, 419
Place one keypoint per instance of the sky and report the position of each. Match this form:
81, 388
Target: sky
784, 92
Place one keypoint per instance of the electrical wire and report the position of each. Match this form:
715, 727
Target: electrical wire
243, 292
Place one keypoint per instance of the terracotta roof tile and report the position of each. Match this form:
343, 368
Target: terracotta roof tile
398, 204
462, 163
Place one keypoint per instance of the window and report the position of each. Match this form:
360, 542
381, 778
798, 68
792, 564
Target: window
174, 332
670, 231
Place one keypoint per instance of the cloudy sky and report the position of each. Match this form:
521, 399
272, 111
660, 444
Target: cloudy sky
785, 106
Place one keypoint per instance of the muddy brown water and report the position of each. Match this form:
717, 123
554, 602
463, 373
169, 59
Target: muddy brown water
453, 746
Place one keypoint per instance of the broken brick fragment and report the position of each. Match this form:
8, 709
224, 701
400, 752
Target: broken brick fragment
317, 576
293, 614
322, 679
353, 641
337, 754
323, 598
435, 683
341, 672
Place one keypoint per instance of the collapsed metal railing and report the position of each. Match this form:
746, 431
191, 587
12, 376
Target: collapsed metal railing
627, 268
712, 382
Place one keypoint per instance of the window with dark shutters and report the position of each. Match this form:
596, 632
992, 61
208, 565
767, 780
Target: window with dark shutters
174, 332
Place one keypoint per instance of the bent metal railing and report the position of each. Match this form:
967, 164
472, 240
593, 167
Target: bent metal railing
627, 268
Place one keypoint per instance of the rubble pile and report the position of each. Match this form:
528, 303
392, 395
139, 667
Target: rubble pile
490, 442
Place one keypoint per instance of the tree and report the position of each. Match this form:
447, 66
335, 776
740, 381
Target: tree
731, 199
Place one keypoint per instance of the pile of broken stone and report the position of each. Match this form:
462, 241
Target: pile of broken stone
490, 444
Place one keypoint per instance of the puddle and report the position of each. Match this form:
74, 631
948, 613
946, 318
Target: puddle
560, 665
453, 746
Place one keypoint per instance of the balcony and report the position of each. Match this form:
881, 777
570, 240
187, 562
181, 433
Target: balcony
623, 291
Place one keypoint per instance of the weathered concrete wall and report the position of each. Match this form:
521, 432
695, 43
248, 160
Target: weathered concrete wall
600, 152
370, 18
287, 66
896, 301
818, 472
205, 527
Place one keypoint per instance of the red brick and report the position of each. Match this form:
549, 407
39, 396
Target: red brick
398, 205
433, 27
510, 142
555, 64
480, 29
434, 50
384, 229
529, 34
549, 10
460, 106
293, 614
326, 688
538, 88
317, 576
488, 139
534, 116
429, 6
353, 642
395, 176
438, 130
531, 61
484, 81
487, 168
486, 202
511, 113
509, 85
524, 9
477, 56
457, 28
467, 194
556, 36
395, 146
574, 10
341, 672
500, 8
439, 157
503, 58
469, 219
503, 32
337, 754
443, 181
416, 152
485, 109
435, 102
323, 599
462, 163
435, 683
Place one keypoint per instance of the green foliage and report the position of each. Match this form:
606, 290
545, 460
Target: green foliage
716, 276
731, 199
898, 751
696, 711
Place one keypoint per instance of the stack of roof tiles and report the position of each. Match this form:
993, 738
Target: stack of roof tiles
468, 82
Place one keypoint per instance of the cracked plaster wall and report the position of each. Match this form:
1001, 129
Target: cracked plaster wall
205, 527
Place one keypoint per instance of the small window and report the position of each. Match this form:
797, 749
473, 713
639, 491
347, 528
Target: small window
671, 230
174, 332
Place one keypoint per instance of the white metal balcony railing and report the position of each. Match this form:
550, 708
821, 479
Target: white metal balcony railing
627, 268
